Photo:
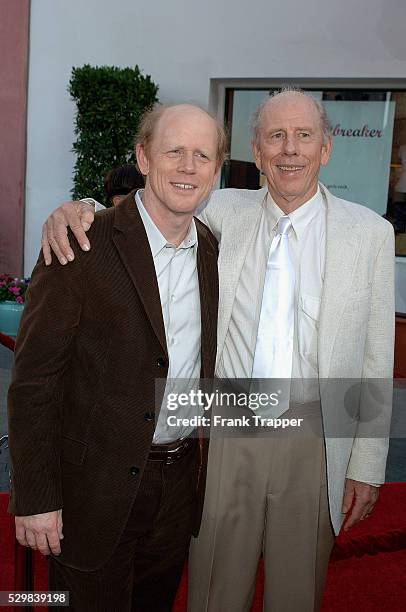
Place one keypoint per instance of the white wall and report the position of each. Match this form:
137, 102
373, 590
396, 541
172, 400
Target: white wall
183, 44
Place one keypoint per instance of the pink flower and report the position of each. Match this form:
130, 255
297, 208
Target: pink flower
19, 300
15, 290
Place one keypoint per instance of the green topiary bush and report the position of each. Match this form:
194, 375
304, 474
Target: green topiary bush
109, 103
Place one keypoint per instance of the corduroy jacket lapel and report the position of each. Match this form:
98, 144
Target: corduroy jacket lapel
208, 288
132, 244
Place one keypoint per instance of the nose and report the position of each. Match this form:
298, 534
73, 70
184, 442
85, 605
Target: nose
290, 145
187, 162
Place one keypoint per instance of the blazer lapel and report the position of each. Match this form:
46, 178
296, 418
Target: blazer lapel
236, 238
343, 244
208, 289
132, 244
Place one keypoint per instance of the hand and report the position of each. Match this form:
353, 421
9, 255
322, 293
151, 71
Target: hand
360, 498
79, 216
41, 532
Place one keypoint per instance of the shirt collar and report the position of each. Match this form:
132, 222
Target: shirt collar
156, 239
301, 217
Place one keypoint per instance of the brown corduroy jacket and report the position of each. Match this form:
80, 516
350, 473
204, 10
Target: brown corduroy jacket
90, 347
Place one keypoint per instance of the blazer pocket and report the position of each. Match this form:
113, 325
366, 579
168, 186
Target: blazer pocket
311, 306
308, 324
73, 451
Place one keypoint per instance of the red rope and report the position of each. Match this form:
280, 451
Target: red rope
7, 341
370, 544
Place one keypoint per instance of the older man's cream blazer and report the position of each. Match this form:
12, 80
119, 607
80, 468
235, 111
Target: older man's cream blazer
356, 325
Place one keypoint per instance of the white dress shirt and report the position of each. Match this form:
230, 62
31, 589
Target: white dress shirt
307, 240
176, 272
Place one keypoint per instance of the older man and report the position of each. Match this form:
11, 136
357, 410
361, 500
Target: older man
306, 290
86, 446
334, 321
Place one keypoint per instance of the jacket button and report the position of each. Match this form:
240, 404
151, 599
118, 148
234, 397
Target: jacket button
149, 416
134, 471
162, 362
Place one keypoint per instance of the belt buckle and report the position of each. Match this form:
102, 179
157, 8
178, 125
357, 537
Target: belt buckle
178, 453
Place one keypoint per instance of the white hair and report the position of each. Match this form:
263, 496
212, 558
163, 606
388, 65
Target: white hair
324, 120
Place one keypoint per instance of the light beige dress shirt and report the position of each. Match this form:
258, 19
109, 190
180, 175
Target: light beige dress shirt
307, 240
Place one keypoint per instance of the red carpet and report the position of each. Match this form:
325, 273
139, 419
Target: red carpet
367, 569
371, 584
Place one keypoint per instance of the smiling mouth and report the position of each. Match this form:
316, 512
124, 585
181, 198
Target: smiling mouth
184, 186
289, 168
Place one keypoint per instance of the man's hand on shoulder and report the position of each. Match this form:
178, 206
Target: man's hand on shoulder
41, 532
79, 216
360, 498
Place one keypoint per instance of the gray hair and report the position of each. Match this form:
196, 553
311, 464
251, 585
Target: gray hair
325, 124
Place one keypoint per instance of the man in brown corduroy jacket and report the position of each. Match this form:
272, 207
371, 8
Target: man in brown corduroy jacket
98, 480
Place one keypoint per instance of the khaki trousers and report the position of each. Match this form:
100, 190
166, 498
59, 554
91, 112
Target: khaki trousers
264, 494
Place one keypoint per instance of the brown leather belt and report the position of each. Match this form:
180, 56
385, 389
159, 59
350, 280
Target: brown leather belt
173, 451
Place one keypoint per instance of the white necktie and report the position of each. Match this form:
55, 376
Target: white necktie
274, 347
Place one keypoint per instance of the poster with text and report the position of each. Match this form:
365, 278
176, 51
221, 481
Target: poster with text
359, 165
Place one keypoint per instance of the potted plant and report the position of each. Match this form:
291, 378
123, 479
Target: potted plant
12, 298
